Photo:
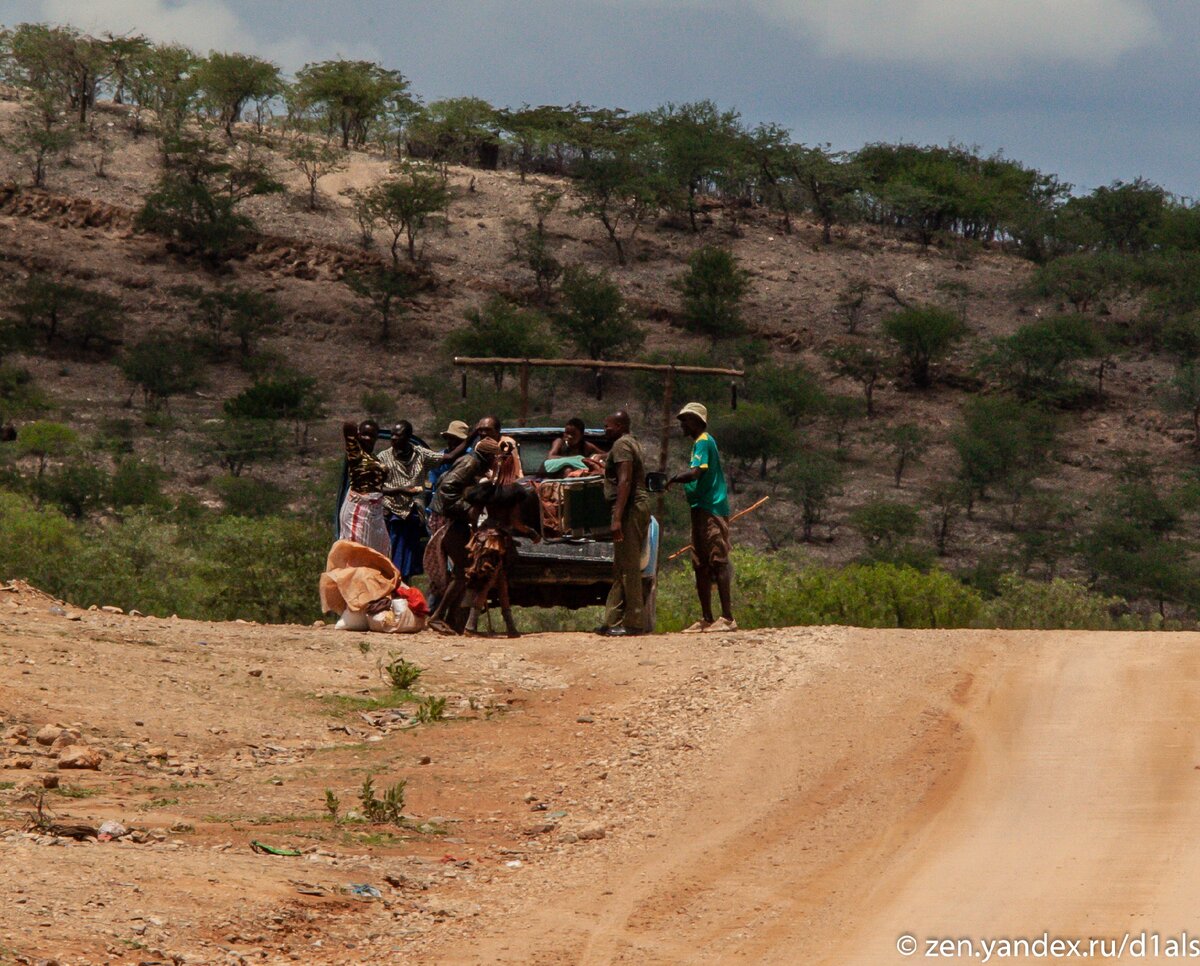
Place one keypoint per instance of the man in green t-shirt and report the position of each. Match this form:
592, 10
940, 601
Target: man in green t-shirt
704, 486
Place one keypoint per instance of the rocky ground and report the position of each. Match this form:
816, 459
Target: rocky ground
782, 796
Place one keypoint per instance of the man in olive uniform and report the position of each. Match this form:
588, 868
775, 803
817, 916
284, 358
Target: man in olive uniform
625, 488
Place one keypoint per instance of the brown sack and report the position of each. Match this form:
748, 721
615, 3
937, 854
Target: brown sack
354, 576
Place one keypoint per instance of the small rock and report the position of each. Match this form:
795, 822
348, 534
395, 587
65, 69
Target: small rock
590, 833
48, 734
110, 609
17, 735
569, 837
113, 829
136, 613
585, 719
256, 673
58, 611
156, 752
18, 761
424, 760
49, 781
79, 756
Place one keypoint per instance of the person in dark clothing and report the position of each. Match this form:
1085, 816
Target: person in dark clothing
492, 548
450, 542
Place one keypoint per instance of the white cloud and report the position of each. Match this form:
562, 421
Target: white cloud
201, 24
973, 34
982, 36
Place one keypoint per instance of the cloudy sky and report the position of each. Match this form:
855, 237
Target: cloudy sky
1095, 90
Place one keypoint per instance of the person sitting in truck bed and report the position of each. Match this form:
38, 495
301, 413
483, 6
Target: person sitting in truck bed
573, 455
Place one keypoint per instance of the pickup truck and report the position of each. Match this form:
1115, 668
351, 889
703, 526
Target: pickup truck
574, 569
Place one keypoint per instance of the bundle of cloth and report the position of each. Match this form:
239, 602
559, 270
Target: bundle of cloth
364, 587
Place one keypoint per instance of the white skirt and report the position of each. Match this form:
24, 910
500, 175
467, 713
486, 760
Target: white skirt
362, 521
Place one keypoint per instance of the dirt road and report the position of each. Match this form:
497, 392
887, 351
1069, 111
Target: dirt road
793, 796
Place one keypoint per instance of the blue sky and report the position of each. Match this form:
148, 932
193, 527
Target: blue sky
1094, 90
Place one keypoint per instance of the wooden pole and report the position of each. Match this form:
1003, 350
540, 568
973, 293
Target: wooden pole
485, 362
524, 420
664, 451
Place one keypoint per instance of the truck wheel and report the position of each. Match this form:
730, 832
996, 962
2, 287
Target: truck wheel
649, 603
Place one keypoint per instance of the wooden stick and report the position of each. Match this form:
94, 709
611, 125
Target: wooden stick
736, 516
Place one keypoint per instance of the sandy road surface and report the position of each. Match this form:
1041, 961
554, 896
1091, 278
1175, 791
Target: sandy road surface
791, 796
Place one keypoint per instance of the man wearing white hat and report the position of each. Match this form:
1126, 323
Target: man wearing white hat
704, 486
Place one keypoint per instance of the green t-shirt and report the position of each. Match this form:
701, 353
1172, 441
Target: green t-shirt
707, 493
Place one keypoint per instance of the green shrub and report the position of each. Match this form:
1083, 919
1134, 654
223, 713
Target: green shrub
76, 488
244, 496
890, 595
593, 317
770, 591
139, 563
39, 546
378, 404
882, 523
136, 483
1055, 605
924, 335
401, 674
712, 291
162, 368
501, 328
263, 569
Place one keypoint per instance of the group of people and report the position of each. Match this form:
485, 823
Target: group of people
463, 537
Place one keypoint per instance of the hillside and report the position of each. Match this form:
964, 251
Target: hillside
79, 229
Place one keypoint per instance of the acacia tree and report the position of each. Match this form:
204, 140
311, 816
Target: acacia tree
163, 79
593, 316
162, 368
42, 132
617, 182
826, 181
385, 290
924, 335
907, 443
45, 441
314, 160
195, 200
863, 363
712, 290
500, 328
1182, 395
346, 97
406, 204
239, 313
229, 82
58, 60
532, 246
699, 144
